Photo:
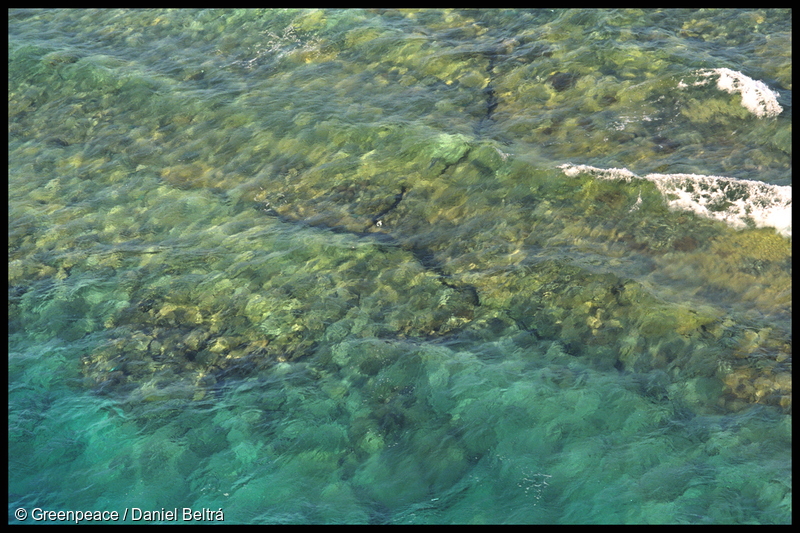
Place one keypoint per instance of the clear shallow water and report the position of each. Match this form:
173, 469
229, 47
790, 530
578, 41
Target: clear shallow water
433, 266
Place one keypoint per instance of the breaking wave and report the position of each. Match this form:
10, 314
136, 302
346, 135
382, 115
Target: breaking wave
757, 98
738, 203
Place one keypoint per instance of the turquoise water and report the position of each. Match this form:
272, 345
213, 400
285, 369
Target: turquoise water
400, 266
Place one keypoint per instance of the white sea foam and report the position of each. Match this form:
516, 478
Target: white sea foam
736, 202
756, 96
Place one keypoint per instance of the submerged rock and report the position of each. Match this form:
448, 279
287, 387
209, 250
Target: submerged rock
561, 81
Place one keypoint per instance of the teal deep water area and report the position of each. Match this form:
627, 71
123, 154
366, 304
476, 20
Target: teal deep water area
394, 266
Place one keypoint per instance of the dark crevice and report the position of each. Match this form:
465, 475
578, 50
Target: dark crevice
377, 219
425, 257
491, 97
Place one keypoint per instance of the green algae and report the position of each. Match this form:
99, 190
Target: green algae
345, 191
288, 323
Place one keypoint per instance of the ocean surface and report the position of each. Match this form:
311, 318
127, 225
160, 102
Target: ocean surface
434, 266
